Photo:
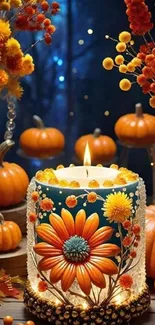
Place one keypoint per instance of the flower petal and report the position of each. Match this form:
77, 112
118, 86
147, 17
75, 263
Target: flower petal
106, 250
44, 249
90, 226
105, 265
69, 221
80, 220
49, 236
95, 275
47, 263
83, 279
100, 236
59, 226
68, 277
57, 271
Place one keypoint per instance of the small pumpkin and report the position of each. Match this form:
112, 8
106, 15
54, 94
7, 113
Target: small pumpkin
10, 235
137, 129
102, 147
13, 179
150, 241
41, 142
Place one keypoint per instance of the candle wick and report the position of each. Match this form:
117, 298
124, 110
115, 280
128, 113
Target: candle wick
87, 172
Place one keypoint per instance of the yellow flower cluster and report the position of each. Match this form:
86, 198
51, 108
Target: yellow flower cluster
123, 44
15, 64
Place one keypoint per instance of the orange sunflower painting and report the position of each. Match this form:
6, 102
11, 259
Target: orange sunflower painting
76, 249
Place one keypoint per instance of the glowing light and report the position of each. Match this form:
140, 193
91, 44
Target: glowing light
86, 97
57, 302
106, 113
87, 156
71, 113
74, 70
60, 62
62, 78
90, 31
152, 164
81, 42
85, 306
55, 58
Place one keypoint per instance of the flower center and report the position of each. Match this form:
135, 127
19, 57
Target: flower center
76, 249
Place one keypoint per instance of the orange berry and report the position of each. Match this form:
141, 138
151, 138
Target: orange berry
133, 254
47, 38
32, 217
63, 183
91, 197
147, 72
120, 180
40, 175
8, 320
146, 87
60, 166
141, 80
29, 10
108, 183
114, 166
125, 84
99, 165
125, 37
141, 56
74, 184
35, 196
40, 18
123, 68
152, 101
53, 181
42, 286
130, 67
44, 5
149, 58
47, 22
108, 63
29, 322
127, 224
136, 229
136, 62
46, 204
50, 29
121, 47
119, 59
123, 169
71, 201
93, 184
152, 87
153, 51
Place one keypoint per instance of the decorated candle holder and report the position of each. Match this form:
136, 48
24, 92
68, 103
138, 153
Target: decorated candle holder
86, 246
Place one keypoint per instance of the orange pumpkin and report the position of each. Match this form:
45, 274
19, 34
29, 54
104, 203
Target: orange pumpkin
41, 142
150, 241
13, 179
10, 235
102, 147
136, 129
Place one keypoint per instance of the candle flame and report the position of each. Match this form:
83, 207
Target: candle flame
87, 156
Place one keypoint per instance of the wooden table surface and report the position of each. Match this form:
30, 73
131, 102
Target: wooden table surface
17, 310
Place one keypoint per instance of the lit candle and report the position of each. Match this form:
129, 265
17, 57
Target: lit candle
87, 173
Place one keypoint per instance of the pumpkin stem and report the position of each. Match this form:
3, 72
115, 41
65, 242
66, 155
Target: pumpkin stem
1, 219
38, 122
4, 148
139, 110
97, 133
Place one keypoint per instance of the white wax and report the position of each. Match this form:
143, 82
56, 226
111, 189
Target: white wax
85, 174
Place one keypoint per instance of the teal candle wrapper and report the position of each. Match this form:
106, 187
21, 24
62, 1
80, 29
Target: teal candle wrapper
59, 195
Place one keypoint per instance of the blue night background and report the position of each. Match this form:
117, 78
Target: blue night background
70, 90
